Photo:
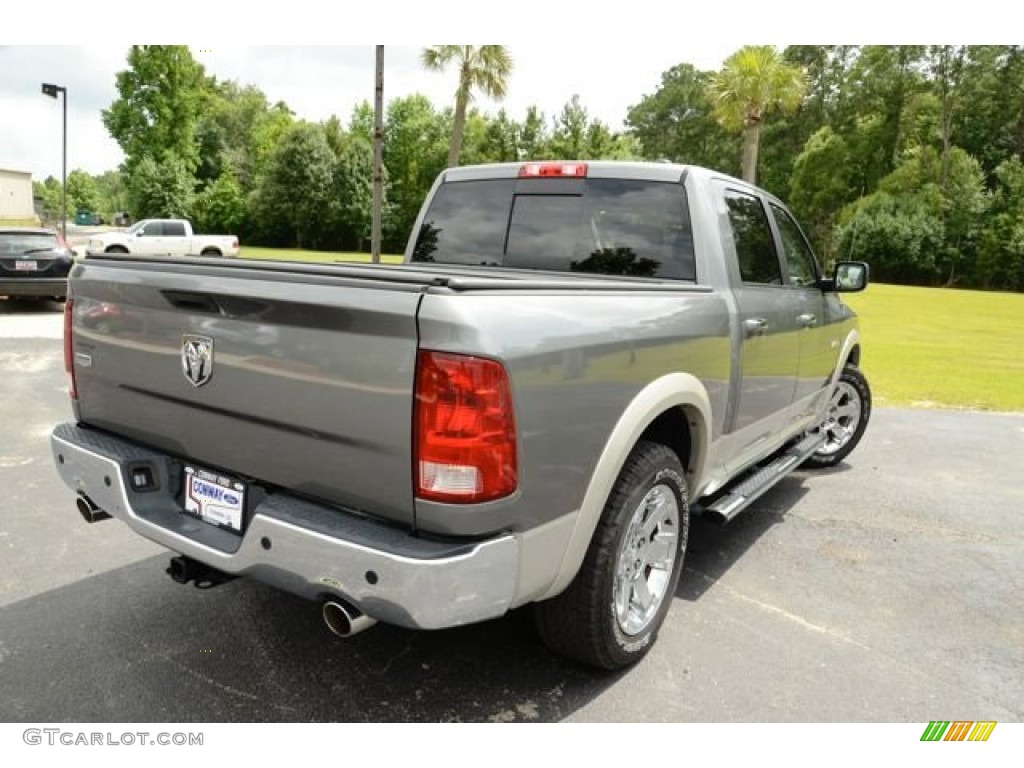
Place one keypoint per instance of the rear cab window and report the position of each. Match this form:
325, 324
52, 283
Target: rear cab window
18, 243
605, 226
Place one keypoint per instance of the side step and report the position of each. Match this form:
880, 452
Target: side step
748, 487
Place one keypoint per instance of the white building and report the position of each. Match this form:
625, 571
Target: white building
16, 196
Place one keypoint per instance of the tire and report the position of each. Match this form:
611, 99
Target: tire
595, 620
116, 249
211, 252
847, 417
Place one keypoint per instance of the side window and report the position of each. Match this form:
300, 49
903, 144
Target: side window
153, 229
755, 247
800, 259
174, 229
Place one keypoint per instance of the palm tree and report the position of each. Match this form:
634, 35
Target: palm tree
481, 67
752, 81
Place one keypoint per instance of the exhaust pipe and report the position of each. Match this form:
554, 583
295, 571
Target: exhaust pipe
344, 620
89, 511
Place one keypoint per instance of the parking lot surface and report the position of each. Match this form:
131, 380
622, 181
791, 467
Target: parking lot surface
887, 589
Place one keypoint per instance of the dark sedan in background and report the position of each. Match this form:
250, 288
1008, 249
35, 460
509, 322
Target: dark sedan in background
33, 263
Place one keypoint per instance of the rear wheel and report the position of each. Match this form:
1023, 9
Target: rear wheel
610, 614
846, 418
210, 252
116, 249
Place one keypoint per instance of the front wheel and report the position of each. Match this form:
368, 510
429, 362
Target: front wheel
846, 418
610, 614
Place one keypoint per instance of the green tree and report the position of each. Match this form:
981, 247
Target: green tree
268, 130
946, 65
352, 193
295, 192
113, 192
221, 206
415, 140
82, 192
882, 82
533, 136
161, 189
361, 122
49, 192
237, 130
484, 68
335, 134
822, 185
991, 127
569, 137
899, 236
960, 204
502, 139
752, 81
828, 69
1001, 251
677, 122
159, 102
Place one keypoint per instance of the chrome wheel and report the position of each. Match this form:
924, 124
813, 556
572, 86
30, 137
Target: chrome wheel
646, 559
841, 419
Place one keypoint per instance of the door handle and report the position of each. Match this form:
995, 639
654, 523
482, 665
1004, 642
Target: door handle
807, 320
755, 326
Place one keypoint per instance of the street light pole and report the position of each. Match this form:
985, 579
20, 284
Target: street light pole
52, 90
378, 153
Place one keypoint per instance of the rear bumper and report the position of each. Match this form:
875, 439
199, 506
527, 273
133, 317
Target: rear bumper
35, 286
302, 547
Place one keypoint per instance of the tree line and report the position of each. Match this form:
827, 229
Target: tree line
221, 154
908, 157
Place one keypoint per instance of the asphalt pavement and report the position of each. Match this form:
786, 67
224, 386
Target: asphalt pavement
887, 589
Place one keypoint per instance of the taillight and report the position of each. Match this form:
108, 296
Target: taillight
535, 170
465, 434
69, 347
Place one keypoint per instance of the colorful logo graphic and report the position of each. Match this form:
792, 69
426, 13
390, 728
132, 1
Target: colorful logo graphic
959, 730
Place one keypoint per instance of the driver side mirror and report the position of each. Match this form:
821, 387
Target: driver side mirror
849, 277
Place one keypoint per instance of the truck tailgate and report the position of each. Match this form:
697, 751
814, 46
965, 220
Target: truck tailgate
309, 386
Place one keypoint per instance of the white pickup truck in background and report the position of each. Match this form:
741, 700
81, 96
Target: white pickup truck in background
162, 237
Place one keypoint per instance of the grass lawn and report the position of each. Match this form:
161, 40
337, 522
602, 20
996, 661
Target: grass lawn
291, 254
934, 347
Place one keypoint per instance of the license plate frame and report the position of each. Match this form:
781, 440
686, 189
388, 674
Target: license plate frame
215, 498
26, 265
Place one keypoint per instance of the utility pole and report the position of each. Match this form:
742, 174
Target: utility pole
52, 90
378, 156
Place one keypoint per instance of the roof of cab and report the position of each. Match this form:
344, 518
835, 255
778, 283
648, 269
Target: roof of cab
596, 169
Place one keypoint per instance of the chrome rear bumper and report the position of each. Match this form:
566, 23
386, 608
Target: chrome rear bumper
309, 549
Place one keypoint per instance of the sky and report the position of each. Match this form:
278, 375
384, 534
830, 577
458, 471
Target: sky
314, 55
315, 81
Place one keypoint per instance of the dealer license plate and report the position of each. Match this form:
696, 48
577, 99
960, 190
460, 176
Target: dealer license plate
214, 498
23, 265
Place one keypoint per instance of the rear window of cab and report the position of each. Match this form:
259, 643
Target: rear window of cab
605, 226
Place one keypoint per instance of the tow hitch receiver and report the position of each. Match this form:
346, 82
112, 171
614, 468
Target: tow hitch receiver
185, 569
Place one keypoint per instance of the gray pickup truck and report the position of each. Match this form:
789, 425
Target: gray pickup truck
573, 358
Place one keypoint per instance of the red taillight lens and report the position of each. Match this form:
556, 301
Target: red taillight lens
540, 170
465, 433
69, 347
